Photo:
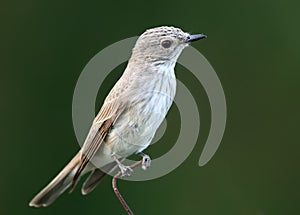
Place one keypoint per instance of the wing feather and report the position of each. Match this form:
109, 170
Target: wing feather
107, 115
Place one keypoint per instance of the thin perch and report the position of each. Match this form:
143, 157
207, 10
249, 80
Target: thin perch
118, 194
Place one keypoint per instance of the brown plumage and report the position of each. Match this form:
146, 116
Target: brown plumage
130, 115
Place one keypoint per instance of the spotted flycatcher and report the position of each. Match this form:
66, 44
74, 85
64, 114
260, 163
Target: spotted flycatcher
130, 115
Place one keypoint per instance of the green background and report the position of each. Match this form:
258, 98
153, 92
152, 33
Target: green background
254, 47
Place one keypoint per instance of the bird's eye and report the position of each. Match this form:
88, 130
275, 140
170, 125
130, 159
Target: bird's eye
166, 43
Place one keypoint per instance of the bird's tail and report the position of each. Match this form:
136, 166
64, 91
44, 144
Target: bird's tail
58, 185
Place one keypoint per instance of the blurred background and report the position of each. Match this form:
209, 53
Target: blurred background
253, 46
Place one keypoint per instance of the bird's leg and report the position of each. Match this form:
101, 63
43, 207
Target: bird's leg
125, 170
146, 160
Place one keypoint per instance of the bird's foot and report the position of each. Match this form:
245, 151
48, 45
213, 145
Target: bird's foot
125, 170
146, 162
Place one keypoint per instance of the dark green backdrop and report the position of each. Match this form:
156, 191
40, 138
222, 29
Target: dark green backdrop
254, 47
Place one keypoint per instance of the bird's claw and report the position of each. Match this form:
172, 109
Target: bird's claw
125, 170
146, 162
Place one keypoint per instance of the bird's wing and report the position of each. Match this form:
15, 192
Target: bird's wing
107, 115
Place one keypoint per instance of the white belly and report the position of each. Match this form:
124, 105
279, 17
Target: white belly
136, 126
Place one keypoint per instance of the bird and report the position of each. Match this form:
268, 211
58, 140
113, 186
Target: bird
130, 115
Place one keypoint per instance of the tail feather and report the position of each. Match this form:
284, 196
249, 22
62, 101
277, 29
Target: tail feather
92, 181
58, 185
96, 177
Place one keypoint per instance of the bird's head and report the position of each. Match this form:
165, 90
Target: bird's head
162, 44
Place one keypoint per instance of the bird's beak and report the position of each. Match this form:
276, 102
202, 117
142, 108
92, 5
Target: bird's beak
195, 37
